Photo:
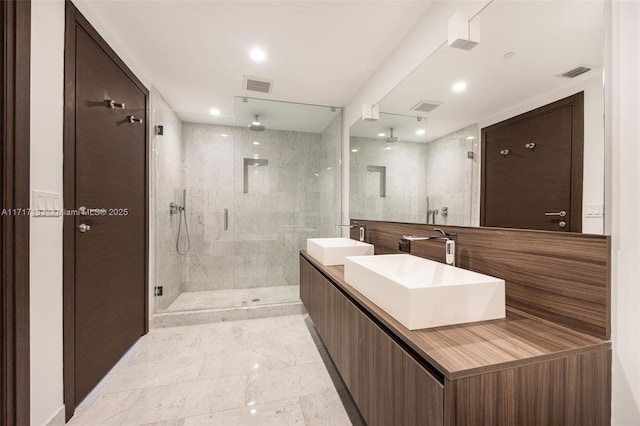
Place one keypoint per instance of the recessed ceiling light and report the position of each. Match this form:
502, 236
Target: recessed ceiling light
460, 86
214, 111
329, 168
382, 135
470, 138
388, 148
420, 132
354, 150
224, 135
256, 156
509, 55
257, 54
256, 143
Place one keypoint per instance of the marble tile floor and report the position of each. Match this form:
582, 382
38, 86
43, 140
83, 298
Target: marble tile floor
219, 299
267, 371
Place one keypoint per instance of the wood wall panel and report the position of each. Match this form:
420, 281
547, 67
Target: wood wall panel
563, 278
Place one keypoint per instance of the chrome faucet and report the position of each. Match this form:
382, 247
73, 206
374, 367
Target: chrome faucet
450, 246
362, 227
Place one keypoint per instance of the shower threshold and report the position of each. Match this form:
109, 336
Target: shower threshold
235, 298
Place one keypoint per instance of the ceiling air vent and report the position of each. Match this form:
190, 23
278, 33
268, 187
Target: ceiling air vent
426, 106
575, 72
257, 84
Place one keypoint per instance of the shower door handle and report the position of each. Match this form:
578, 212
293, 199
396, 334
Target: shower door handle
226, 219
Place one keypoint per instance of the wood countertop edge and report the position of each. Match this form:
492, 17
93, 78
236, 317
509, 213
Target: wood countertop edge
334, 273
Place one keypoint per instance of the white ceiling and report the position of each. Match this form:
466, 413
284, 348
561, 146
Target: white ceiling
548, 37
197, 52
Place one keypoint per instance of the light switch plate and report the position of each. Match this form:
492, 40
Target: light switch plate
46, 204
594, 210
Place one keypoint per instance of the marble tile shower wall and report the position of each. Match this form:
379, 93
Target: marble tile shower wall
452, 179
166, 187
405, 175
268, 224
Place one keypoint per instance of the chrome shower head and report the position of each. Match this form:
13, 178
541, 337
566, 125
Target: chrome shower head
391, 138
255, 126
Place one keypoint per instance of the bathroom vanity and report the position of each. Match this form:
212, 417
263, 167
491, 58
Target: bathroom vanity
519, 370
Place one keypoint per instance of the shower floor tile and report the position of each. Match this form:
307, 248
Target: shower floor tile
267, 371
219, 299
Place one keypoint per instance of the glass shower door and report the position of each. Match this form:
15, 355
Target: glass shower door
208, 270
192, 183
232, 207
288, 183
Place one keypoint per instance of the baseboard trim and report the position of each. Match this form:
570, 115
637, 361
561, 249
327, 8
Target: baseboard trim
57, 419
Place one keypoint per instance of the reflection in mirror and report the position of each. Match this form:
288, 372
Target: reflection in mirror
531, 54
422, 182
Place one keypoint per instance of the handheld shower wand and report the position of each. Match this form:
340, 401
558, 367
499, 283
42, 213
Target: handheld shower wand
181, 211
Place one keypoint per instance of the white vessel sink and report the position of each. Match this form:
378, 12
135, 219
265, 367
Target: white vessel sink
332, 251
421, 293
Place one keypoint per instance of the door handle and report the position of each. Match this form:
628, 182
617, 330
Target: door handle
84, 227
561, 213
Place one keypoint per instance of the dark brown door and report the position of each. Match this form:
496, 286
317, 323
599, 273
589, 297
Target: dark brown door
15, 38
110, 155
532, 169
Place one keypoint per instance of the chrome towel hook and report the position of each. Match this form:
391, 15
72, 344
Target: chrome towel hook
530, 145
132, 119
113, 104
504, 152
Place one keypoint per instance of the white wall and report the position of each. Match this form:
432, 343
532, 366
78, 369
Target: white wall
624, 212
45, 242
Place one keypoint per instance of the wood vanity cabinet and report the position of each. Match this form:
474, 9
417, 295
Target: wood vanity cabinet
387, 384
394, 385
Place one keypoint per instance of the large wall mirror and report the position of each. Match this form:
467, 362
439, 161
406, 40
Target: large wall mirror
507, 134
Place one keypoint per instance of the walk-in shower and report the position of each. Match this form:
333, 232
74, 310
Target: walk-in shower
254, 197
